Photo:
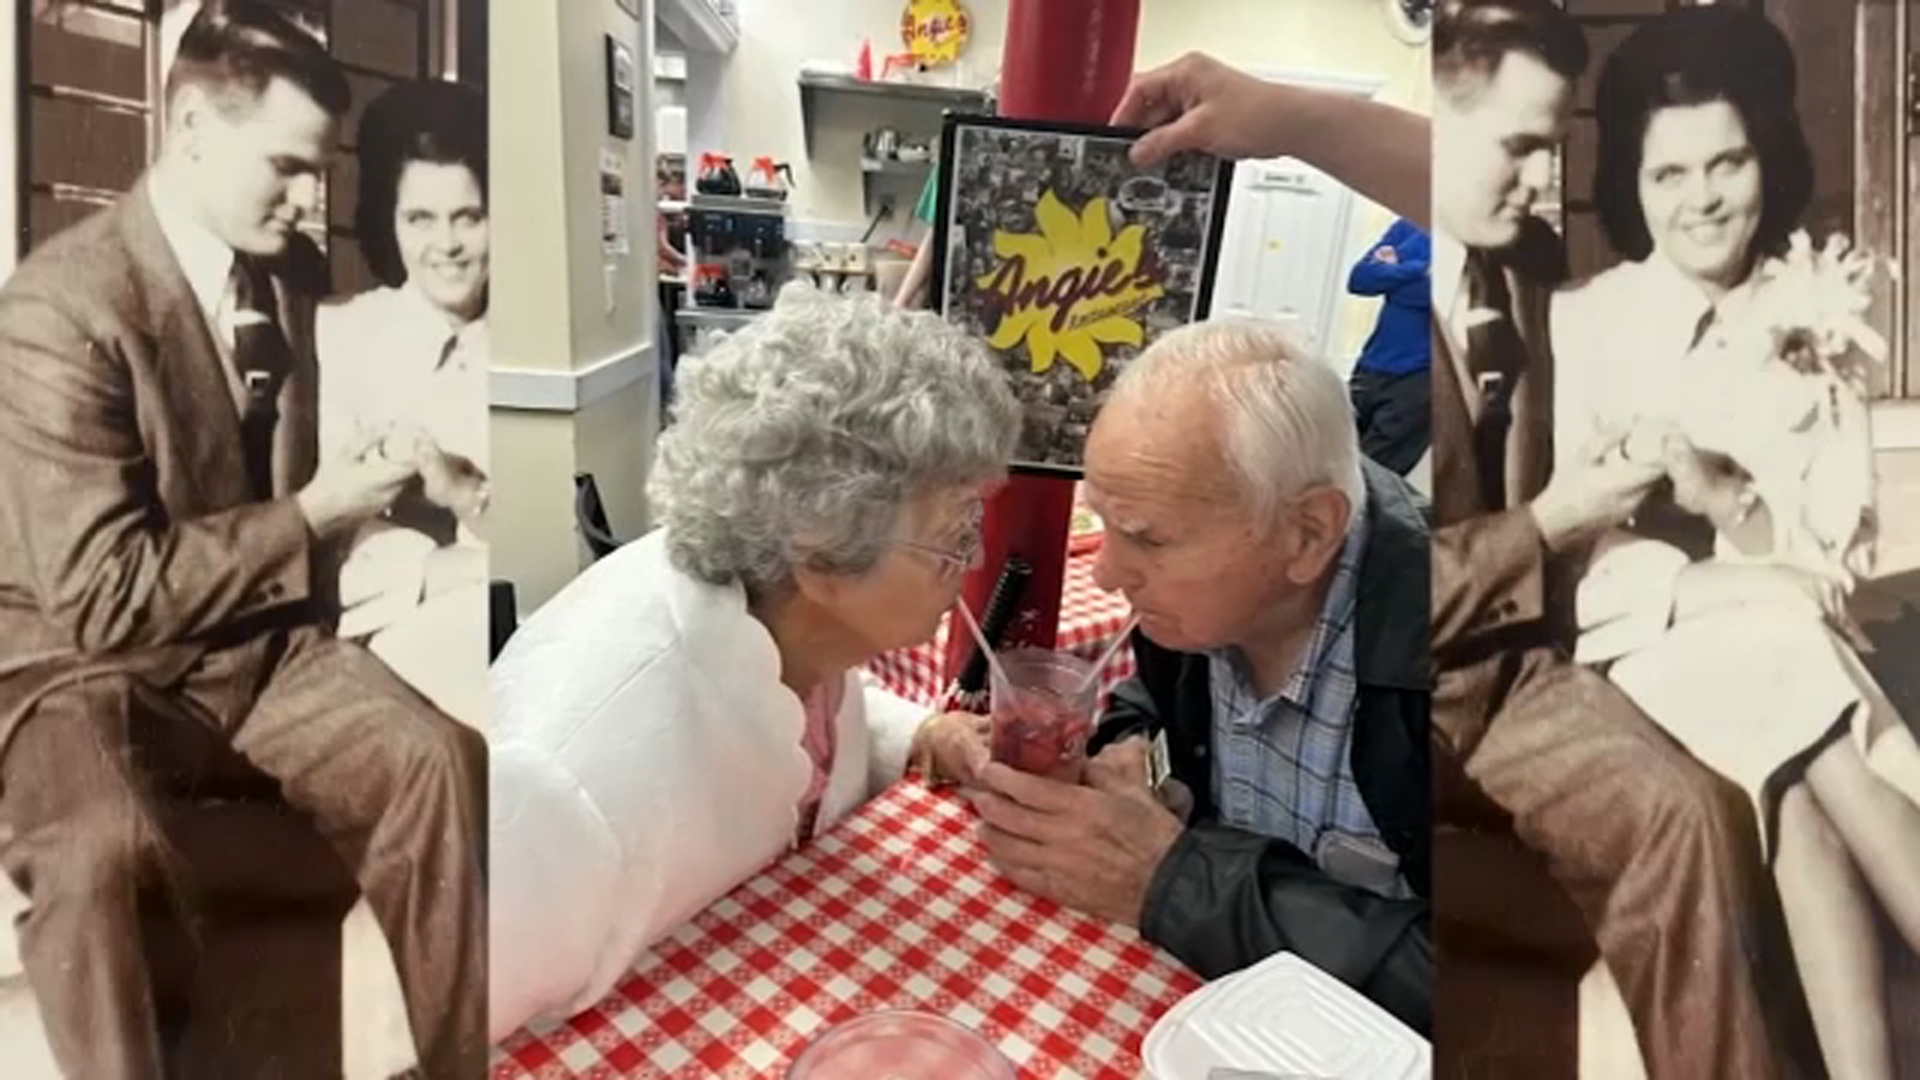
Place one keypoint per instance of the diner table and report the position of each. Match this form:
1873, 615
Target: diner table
895, 907
1089, 622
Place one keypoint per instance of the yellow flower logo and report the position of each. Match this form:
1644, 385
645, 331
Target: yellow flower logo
1072, 288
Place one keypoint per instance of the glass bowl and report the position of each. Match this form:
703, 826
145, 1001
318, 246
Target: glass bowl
900, 1045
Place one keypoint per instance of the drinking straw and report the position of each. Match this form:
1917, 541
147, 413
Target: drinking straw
981, 639
1100, 664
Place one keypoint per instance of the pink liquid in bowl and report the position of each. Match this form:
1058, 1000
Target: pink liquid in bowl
900, 1045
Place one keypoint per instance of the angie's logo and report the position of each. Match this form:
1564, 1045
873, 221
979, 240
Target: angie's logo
1071, 288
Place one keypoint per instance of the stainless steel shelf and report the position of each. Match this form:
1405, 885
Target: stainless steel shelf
737, 204
817, 88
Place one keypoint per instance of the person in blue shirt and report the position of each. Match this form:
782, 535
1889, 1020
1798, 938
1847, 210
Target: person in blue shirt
1391, 387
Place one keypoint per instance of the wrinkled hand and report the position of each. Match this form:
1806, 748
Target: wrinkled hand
1198, 103
1123, 765
957, 742
1094, 849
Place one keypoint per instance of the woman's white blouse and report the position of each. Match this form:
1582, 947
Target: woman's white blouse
389, 358
1624, 348
645, 759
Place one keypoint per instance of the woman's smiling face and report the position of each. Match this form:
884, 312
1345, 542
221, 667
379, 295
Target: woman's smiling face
1701, 190
440, 227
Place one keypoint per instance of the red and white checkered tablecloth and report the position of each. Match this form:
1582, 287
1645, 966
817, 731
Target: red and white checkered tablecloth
894, 908
1089, 621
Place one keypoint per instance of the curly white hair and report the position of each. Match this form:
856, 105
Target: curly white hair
801, 437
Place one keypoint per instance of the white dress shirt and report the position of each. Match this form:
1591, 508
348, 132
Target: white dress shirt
1447, 270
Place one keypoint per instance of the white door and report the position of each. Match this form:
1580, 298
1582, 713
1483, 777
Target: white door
1284, 255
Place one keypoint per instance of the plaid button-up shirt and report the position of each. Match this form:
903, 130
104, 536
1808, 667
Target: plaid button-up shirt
1282, 766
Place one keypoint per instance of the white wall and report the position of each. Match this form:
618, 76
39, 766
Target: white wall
747, 104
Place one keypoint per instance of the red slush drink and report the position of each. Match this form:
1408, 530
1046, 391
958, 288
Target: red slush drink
1043, 712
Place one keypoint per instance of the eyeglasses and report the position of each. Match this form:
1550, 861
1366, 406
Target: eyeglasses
955, 561
952, 563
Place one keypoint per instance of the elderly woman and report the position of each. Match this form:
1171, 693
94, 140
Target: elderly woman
690, 707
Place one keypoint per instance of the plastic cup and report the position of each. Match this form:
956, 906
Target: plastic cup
900, 1045
1043, 712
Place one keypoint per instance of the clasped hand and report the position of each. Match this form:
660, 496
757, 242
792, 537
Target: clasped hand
1093, 847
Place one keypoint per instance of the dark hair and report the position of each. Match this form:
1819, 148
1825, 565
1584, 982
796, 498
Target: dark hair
441, 123
244, 45
1693, 56
1472, 37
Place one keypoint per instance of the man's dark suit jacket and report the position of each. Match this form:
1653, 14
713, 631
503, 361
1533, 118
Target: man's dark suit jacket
1223, 898
1490, 569
129, 541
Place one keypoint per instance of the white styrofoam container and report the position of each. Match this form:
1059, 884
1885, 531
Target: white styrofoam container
1287, 1017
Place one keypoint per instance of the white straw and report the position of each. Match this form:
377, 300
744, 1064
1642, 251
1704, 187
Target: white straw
982, 640
1100, 664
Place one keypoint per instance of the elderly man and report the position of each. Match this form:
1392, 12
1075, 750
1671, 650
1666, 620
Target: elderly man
1289, 704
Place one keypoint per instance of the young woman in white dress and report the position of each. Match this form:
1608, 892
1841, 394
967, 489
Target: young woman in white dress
1722, 613
406, 363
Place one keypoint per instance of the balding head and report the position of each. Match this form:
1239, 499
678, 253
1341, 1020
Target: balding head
1225, 465
1278, 418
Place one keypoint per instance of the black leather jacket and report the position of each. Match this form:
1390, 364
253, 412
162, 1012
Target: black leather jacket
1223, 898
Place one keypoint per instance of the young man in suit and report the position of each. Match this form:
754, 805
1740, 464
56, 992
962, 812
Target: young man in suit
162, 518
1660, 856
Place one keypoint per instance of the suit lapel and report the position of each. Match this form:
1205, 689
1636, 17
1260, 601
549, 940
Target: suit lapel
201, 431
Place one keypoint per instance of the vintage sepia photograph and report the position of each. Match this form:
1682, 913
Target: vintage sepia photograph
243, 611
1068, 260
1677, 554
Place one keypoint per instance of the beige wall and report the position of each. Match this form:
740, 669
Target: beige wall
551, 315
748, 105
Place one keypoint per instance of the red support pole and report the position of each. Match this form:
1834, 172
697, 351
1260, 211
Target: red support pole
1066, 61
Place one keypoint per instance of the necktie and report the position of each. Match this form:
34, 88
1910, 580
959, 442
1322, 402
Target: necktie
1495, 358
262, 357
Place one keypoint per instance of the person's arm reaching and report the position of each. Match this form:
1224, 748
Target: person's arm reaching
913, 288
1197, 103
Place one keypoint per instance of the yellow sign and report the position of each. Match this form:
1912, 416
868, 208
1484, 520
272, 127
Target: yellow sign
1072, 288
935, 31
